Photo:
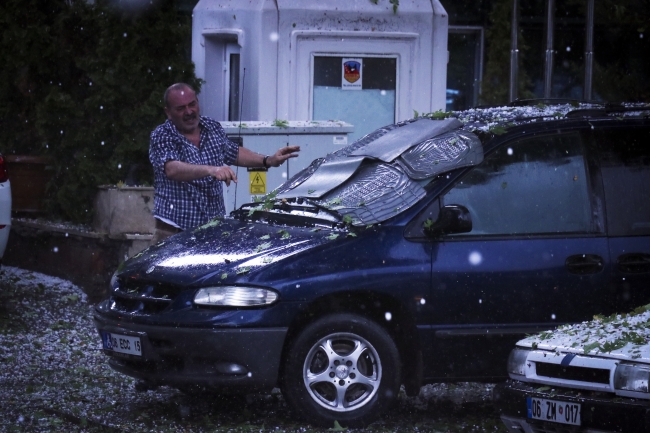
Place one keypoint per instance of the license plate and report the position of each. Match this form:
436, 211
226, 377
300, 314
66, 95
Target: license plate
122, 343
553, 411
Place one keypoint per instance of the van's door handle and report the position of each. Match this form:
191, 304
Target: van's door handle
583, 264
634, 263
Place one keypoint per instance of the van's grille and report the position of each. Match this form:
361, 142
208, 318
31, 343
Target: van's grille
142, 298
582, 374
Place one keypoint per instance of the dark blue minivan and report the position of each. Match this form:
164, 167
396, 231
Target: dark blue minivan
420, 253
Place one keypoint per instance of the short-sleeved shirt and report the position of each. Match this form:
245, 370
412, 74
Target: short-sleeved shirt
196, 202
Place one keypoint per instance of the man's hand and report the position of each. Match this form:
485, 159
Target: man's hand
248, 158
224, 174
282, 155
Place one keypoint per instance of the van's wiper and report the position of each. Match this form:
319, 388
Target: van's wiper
290, 206
319, 206
282, 212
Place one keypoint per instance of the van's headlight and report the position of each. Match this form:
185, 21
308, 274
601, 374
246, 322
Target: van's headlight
517, 362
632, 377
235, 296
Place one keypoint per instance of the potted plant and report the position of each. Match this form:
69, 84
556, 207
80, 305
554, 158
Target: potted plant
29, 175
123, 209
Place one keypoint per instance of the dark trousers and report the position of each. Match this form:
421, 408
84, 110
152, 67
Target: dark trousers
163, 231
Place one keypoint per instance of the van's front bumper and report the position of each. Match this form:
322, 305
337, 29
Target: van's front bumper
224, 359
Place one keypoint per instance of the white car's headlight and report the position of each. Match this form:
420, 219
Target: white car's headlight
234, 296
632, 377
517, 362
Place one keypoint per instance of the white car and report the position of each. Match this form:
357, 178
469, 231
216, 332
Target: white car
589, 377
5, 206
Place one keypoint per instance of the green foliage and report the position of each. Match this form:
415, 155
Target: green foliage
281, 123
497, 130
395, 4
436, 115
83, 83
263, 246
640, 310
620, 61
337, 426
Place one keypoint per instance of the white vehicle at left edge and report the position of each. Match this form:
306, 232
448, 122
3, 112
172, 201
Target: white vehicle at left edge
5, 206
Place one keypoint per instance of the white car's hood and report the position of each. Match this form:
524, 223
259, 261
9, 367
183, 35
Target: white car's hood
621, 336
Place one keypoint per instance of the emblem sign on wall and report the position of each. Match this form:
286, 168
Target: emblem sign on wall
352, 74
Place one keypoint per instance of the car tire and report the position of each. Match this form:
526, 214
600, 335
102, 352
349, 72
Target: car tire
344, 368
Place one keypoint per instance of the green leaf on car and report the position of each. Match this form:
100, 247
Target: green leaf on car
333, 202
215, 222
498, 130
262, 247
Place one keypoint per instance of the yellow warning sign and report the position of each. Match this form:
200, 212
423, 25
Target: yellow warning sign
257, 182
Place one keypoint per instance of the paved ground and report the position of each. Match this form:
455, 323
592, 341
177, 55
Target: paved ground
54, 378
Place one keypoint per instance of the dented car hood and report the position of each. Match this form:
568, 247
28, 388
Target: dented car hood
223, 250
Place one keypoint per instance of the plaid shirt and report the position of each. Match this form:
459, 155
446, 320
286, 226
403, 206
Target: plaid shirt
192, 203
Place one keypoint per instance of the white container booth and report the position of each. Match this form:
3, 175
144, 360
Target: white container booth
348, 60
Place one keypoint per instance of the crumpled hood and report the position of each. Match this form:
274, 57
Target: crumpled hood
223, 250
621, 336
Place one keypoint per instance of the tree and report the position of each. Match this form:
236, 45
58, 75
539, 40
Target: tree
496, 82
85, 85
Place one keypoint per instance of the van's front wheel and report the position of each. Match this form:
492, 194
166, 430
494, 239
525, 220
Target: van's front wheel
341, 368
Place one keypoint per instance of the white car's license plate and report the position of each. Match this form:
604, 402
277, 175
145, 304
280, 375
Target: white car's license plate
553, 410
122, 343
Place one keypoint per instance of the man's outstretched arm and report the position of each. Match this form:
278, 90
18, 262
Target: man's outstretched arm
248, 158
185, 172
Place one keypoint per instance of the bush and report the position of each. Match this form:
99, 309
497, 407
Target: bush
83, 83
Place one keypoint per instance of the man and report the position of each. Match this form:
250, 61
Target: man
190, 155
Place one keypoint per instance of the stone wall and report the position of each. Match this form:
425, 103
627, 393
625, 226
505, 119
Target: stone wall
87, 256
84, 257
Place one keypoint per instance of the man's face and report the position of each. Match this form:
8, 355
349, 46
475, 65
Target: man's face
183, 110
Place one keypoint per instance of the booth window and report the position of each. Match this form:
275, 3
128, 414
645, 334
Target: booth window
464, 70
369, 106
234, 96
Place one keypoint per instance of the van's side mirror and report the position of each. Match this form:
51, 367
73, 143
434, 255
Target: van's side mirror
453, 218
